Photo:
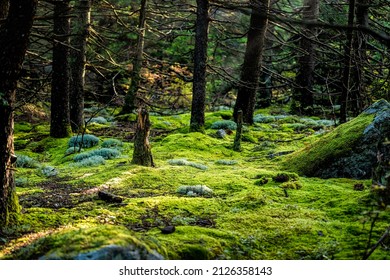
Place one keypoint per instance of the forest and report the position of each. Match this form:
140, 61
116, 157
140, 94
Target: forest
194, 130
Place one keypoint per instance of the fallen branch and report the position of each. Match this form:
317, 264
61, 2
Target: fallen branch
109, 197
373, 248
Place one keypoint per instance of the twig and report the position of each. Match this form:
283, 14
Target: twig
373, 248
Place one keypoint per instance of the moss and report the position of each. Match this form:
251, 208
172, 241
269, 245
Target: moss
285, 177
66, 243
294, 185
239, 221
329, 147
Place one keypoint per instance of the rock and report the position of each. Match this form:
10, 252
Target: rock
109, 197
348, 151
114, 252
221, 133
168, 229
103, 242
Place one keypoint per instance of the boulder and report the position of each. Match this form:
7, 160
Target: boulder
351, 150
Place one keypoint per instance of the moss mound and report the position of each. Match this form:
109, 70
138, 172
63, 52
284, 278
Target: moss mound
88, 242
320, 155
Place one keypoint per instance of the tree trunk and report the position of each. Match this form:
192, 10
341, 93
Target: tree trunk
200, 64
4, 5
14, 34
358, 97
142, 154
345, 90
77, 63
131, 96
250, 73
237, 138
303, 94
264, 94
60, 121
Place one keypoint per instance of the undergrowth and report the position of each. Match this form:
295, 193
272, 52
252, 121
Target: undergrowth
224, 204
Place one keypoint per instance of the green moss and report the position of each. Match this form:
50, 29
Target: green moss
294, 185
331, 146
68, 242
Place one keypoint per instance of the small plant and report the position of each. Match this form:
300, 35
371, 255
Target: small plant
105, 153
85, 141
263, 119
73, 150
285, 177
197, 190
293, 185
225, 124
49, 171
187, 163
226, 162
261, 181
99, 120
26, 162
112, 143
21, 182
90, 161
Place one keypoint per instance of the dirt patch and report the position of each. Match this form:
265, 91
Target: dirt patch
56, 195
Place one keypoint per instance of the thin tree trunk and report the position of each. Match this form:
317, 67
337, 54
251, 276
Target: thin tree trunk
60, 121
345, 90
250, 73
237, 138
14, 34
131, 96
303, 94
358, 97
77, 63
264, 98
4, 6
142, 154
200, 63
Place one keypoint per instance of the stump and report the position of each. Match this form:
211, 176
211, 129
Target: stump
142, 151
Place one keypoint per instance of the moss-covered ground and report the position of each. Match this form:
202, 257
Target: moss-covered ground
255, 211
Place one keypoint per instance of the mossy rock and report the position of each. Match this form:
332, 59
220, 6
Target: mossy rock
88, 242
348, 151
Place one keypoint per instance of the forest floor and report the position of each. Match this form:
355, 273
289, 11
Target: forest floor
224, 204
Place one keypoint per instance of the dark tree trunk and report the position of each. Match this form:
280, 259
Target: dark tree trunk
14, 34
250, 73
345, 90
131, 96
200, 64
77, 62
237, 138
303, 94
4, 5
264, 97
358, 97
142, 154
60, 122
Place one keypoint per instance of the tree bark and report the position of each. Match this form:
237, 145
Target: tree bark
60, 121
250, 73
131, 96
200, 63
358, 86
345, 90
237, 138
142, 154
303, 94
4, 6
14, 34
77, 63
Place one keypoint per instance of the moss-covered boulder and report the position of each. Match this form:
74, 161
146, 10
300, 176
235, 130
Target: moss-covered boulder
349, 151
104, 242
